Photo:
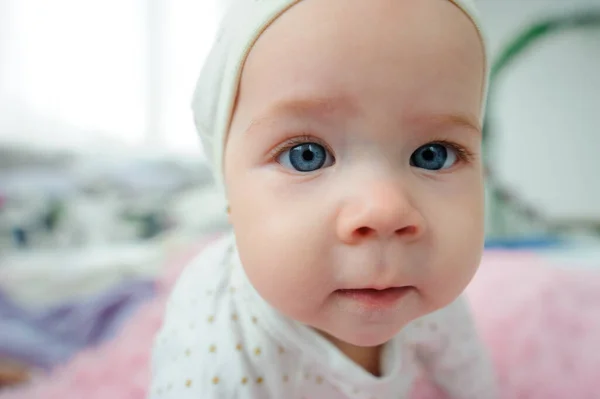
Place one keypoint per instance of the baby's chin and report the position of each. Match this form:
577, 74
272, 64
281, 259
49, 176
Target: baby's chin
369, 340
363, 336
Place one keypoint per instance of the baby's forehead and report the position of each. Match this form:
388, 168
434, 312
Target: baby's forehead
355, 60
365, 31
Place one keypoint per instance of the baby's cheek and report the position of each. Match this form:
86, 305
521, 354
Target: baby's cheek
449, 279
285, 265
456, 262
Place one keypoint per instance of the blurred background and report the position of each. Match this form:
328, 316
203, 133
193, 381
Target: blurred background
102, 178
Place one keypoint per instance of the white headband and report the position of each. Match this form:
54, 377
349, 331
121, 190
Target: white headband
241, 23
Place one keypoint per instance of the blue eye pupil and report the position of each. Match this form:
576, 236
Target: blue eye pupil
430, 157
307, 157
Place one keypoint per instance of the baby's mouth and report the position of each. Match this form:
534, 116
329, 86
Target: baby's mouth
376, 298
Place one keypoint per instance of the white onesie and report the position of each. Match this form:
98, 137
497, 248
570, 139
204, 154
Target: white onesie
221, 340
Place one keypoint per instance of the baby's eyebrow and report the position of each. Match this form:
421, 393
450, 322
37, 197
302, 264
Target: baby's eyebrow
457, 120
314, 107
322, 108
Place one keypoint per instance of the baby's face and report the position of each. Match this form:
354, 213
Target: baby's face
353, 163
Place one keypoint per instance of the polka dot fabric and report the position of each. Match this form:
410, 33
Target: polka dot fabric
209, 346
221, 340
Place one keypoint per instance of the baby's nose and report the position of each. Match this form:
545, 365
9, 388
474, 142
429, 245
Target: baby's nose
381, 210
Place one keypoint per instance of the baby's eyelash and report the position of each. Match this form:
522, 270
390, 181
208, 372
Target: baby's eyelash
463, 153
288, 144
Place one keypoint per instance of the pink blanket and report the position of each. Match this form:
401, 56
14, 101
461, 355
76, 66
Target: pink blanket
541, 324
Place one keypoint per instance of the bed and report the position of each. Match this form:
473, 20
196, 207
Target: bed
535, 303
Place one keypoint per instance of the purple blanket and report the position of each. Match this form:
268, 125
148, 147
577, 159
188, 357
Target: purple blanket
50, 337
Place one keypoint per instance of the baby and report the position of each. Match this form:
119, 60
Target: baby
346, 136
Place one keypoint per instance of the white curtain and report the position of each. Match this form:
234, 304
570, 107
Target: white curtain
88, 73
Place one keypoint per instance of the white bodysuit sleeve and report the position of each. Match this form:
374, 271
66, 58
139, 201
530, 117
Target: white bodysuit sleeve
185, 364
454, 357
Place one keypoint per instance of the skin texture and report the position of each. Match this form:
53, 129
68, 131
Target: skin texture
371, 81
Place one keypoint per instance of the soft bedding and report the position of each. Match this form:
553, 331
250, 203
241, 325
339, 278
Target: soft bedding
538, 318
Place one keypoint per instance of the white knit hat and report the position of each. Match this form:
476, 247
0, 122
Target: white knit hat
241, 23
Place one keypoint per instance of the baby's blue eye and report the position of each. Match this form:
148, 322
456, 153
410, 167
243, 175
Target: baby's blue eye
306, 157
433, 156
